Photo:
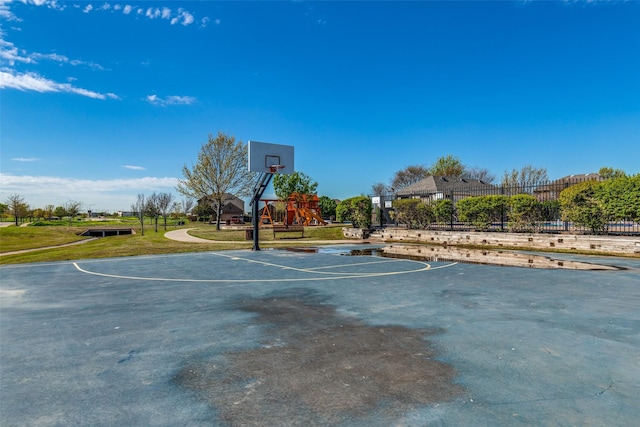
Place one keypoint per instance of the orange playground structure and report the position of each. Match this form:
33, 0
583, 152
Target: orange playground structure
301, 209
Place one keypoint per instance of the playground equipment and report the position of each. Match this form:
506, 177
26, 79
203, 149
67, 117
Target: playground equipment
301, 209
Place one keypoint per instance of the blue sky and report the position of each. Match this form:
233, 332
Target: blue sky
100, 101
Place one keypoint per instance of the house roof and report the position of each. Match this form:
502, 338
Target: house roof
566, 181
439, 184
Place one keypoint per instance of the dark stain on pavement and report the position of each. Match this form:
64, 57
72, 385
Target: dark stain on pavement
318, 367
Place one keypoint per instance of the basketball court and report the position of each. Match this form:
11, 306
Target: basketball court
317, 336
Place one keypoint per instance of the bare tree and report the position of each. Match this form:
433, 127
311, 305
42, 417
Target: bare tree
408, 176
379, 189
481, 174
187, 205
138, 209
152, 209
15, 203
48, 211
524, 180
164, 203
221, 169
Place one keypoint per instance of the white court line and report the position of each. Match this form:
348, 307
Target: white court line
315, 269
302, 279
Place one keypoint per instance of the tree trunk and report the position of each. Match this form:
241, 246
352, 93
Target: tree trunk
218, 213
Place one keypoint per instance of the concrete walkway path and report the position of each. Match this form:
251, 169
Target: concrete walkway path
182, 235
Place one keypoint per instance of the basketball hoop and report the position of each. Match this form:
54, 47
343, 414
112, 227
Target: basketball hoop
275, 168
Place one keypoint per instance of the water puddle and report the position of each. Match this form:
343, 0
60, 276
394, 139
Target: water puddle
316, 366
435, 253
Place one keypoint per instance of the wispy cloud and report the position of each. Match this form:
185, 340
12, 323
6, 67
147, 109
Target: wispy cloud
177, 16
111, 194
170, 100
25, 159
27, 183
10, 53
135, 168
34, 82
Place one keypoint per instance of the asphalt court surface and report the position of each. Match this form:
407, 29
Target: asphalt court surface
279, 337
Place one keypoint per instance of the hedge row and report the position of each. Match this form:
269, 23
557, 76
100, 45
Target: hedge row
591, 204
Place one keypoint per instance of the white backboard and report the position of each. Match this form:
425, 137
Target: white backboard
263, 156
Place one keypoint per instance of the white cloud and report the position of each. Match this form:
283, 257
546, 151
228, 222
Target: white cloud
181, 16
25, 159
171, 100
152, 13
135, 168
108, 194
34, 82
5, 12
10, 53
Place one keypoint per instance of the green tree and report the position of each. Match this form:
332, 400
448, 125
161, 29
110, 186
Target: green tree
3, 209
60, 212
611, 173
284, 185
221, 169
38, 214
72, 208
202, 210
448, 165
580, 204
355, 209
328, 207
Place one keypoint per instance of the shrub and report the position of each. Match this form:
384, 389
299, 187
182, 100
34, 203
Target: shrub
525, 213
620, 198
482, 211
414, 213
443, 211
355, 209
580, 205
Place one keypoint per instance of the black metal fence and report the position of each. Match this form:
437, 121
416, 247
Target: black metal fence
547, 193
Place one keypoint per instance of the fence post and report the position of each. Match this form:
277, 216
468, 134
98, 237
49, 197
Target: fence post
502, 209
453, 210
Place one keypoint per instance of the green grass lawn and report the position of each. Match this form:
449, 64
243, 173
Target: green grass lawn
19, 238
327, 232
